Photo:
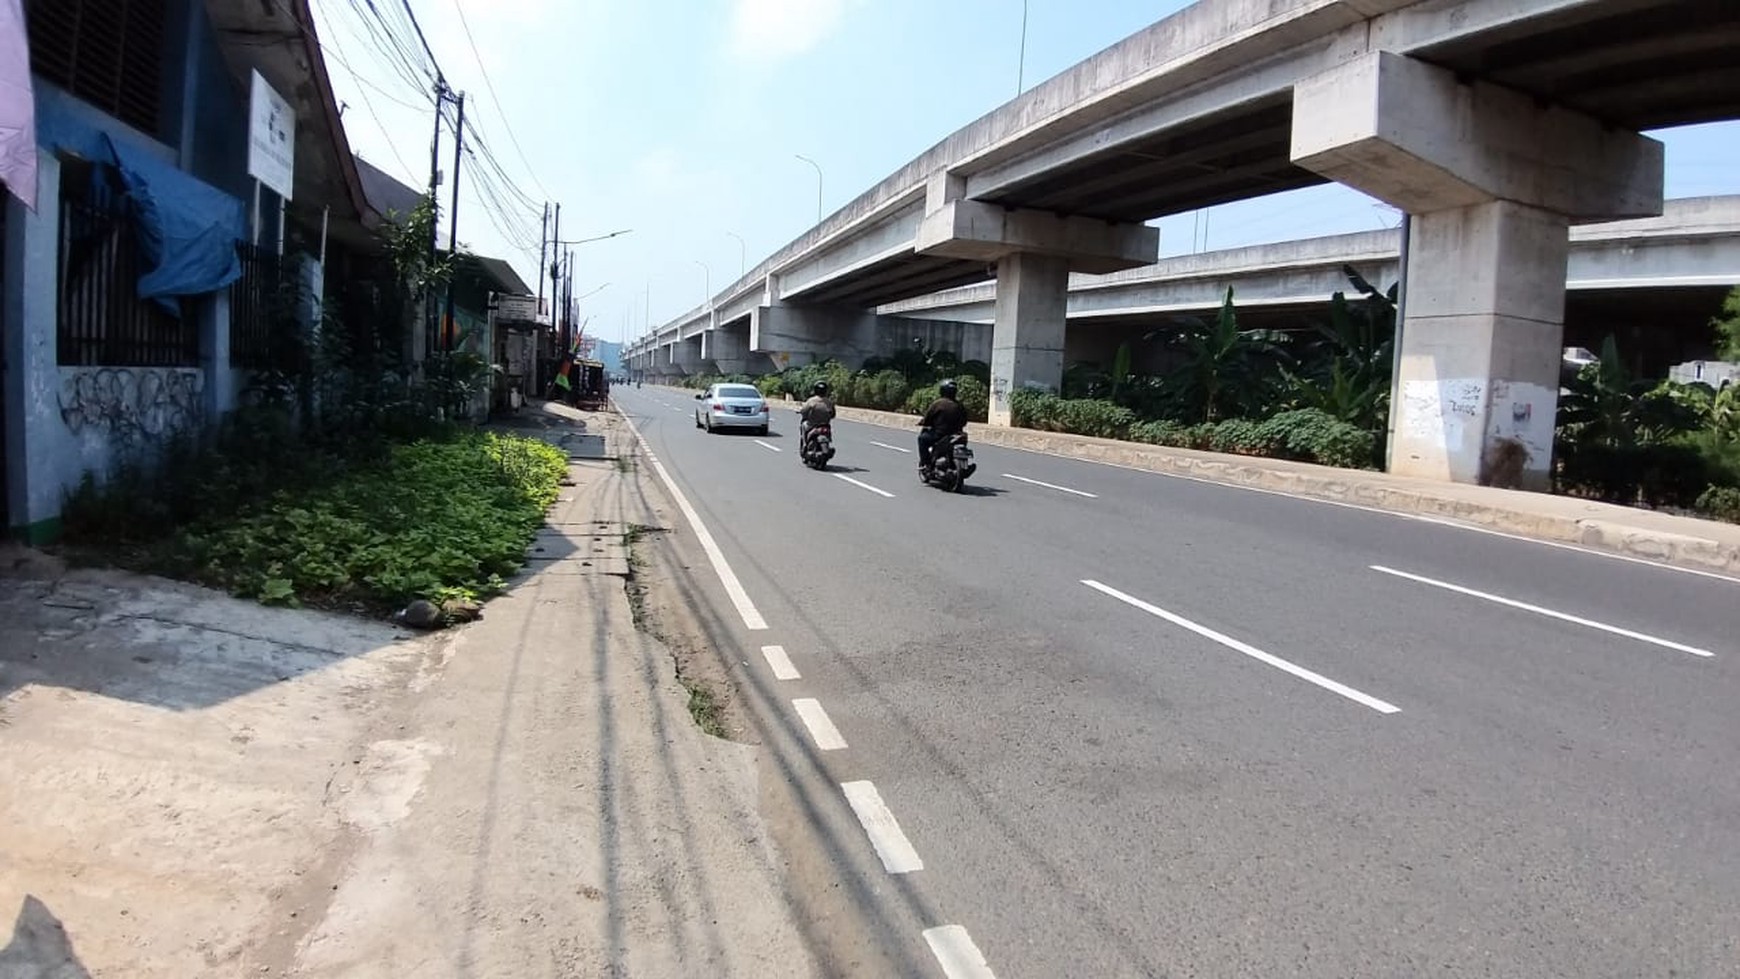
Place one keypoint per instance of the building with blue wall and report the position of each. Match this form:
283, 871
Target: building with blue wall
131, 296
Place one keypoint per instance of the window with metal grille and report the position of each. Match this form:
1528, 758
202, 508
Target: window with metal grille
107, 52
102, 319
255, 298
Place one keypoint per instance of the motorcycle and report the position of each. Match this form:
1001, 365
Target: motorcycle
817, 447
951, 462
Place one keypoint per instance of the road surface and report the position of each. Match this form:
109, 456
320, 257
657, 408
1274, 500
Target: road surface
1099, 722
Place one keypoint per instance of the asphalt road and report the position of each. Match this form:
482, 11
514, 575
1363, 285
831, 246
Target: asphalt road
1137, 725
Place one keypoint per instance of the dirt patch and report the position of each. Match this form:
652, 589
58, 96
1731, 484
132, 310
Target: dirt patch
176, 768
662, 594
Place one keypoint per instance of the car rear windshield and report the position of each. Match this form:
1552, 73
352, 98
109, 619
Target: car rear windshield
738, 391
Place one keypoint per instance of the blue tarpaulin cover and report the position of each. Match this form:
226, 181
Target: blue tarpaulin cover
188, 229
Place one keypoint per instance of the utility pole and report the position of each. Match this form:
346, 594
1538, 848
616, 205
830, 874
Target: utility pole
555, 274
429, 313
448, 328
543, 240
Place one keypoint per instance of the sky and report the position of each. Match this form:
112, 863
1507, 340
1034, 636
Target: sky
681, 122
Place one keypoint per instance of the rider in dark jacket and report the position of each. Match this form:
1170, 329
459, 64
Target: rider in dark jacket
944, 418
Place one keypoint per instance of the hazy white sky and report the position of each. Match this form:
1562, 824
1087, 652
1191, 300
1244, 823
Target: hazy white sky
682, 120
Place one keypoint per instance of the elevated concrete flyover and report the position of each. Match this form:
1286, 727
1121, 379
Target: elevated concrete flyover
1683, 261
1497, 123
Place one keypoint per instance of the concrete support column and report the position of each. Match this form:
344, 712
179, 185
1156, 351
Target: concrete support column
1479, 376
1027, 340
728, 349
685, 355
30, 316
1493, 179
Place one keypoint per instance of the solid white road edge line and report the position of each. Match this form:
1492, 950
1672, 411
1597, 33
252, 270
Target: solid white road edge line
896, 448
780, 662
822, 728
1052, 486
1381, 706
1563, 617
955, 951
733, 588
867, 486
766, 446
898, 856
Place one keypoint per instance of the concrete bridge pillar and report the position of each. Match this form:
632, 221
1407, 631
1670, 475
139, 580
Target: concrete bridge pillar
1034, 252
1027, 341
728, 350
1493, 179
683, 356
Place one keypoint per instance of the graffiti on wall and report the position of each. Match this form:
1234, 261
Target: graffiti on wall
133, 406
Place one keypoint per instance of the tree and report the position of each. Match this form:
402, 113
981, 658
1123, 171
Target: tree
1226, 371
1349, 365
1727, 327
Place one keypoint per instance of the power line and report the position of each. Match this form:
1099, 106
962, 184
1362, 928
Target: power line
419, 29
490, 85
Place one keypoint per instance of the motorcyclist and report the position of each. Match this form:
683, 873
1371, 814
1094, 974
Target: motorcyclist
944, 418
818, 410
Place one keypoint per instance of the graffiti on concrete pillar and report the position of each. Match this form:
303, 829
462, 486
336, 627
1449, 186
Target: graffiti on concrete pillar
134, 406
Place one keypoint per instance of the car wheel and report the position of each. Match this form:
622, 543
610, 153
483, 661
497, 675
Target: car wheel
763, 431
697, 419
709, 424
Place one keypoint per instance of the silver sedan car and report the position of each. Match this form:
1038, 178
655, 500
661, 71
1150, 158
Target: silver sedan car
731, 406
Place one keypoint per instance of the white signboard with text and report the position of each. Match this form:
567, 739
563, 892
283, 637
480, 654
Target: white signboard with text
271, 138
516, 309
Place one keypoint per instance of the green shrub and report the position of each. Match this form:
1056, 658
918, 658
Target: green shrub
1162, 432
437, 520
1239, 436
885, 391
1721, 502
971, 392
1311, 435
1032, 409
1101, 419
1658, 474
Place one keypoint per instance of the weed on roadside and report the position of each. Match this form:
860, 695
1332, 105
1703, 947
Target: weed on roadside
703, 707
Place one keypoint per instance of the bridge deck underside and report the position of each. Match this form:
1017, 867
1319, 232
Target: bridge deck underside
904, 276
1648, 64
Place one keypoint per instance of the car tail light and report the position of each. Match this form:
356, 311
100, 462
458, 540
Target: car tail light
718, 407
764, 408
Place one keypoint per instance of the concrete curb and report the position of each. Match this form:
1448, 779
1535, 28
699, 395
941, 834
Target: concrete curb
1681, 541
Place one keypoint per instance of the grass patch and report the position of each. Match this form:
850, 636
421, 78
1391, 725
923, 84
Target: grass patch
438, 520
703, 708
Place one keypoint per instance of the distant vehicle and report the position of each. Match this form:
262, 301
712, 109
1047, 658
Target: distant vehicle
731, 406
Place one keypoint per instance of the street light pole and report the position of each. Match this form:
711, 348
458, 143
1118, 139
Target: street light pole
708, 273
818, 167
1021, 65
742, 254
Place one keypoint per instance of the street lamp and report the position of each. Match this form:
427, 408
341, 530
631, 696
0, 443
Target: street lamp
582, 241
818, 167
709, 277
742, 254
592, 293
1021, 65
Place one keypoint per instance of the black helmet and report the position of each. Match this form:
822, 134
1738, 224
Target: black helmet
946, 389
820, 389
